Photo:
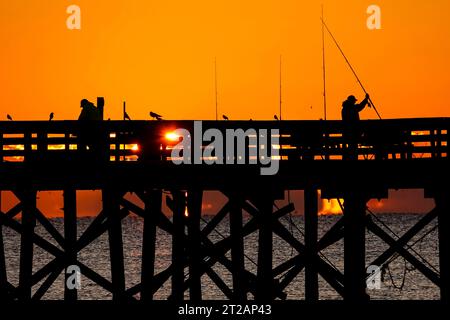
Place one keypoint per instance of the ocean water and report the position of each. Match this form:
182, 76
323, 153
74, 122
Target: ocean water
96, 256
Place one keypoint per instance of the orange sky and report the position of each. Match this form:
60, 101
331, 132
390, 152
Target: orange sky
159, 55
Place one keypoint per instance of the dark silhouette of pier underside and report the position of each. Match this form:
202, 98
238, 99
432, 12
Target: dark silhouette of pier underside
118, 157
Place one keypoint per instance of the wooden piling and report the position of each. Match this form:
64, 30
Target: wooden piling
443, 206
153, 204
178, 246
26, 244
264, 281
354, 247
311, 225
112, 209
70, 236
237, 249
194, 203
3, 275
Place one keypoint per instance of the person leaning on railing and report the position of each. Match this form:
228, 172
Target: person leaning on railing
90, 135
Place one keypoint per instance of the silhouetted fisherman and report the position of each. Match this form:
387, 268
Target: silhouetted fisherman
351, 110
89, 112
89, 136
52, 115
351, 131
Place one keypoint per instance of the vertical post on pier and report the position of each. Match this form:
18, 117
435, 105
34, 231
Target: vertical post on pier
1, 151
237, 249
70, 236
194, 203
178, 238
264, 281
27, 146
354, 247
443, 204
26, 244
311, 225
112, 208
153, 203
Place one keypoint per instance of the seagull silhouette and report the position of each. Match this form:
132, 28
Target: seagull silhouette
276, 117
126, 116
155, 116
225, 117
9, 117
52, 115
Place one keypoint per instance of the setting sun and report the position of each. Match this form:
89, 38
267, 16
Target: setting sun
171, 136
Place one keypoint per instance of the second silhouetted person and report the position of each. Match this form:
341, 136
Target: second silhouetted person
351, 110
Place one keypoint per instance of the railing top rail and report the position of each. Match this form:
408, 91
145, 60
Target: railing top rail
299, 139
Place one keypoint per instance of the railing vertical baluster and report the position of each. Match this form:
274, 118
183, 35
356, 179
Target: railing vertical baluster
27, 145
1, 146
118, 146
432, 141
42, 144
67, 144
439, 143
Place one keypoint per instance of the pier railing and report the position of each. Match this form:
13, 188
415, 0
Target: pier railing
152, 141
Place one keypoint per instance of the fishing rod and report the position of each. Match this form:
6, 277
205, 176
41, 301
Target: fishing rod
215, 83
351, 67
324, 73
280, 90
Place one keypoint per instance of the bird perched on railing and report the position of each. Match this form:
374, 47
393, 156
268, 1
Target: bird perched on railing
155, 116
126, 116
276, 117
52, 115
225, 117
9, 117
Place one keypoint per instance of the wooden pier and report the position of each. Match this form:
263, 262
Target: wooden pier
118, 157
